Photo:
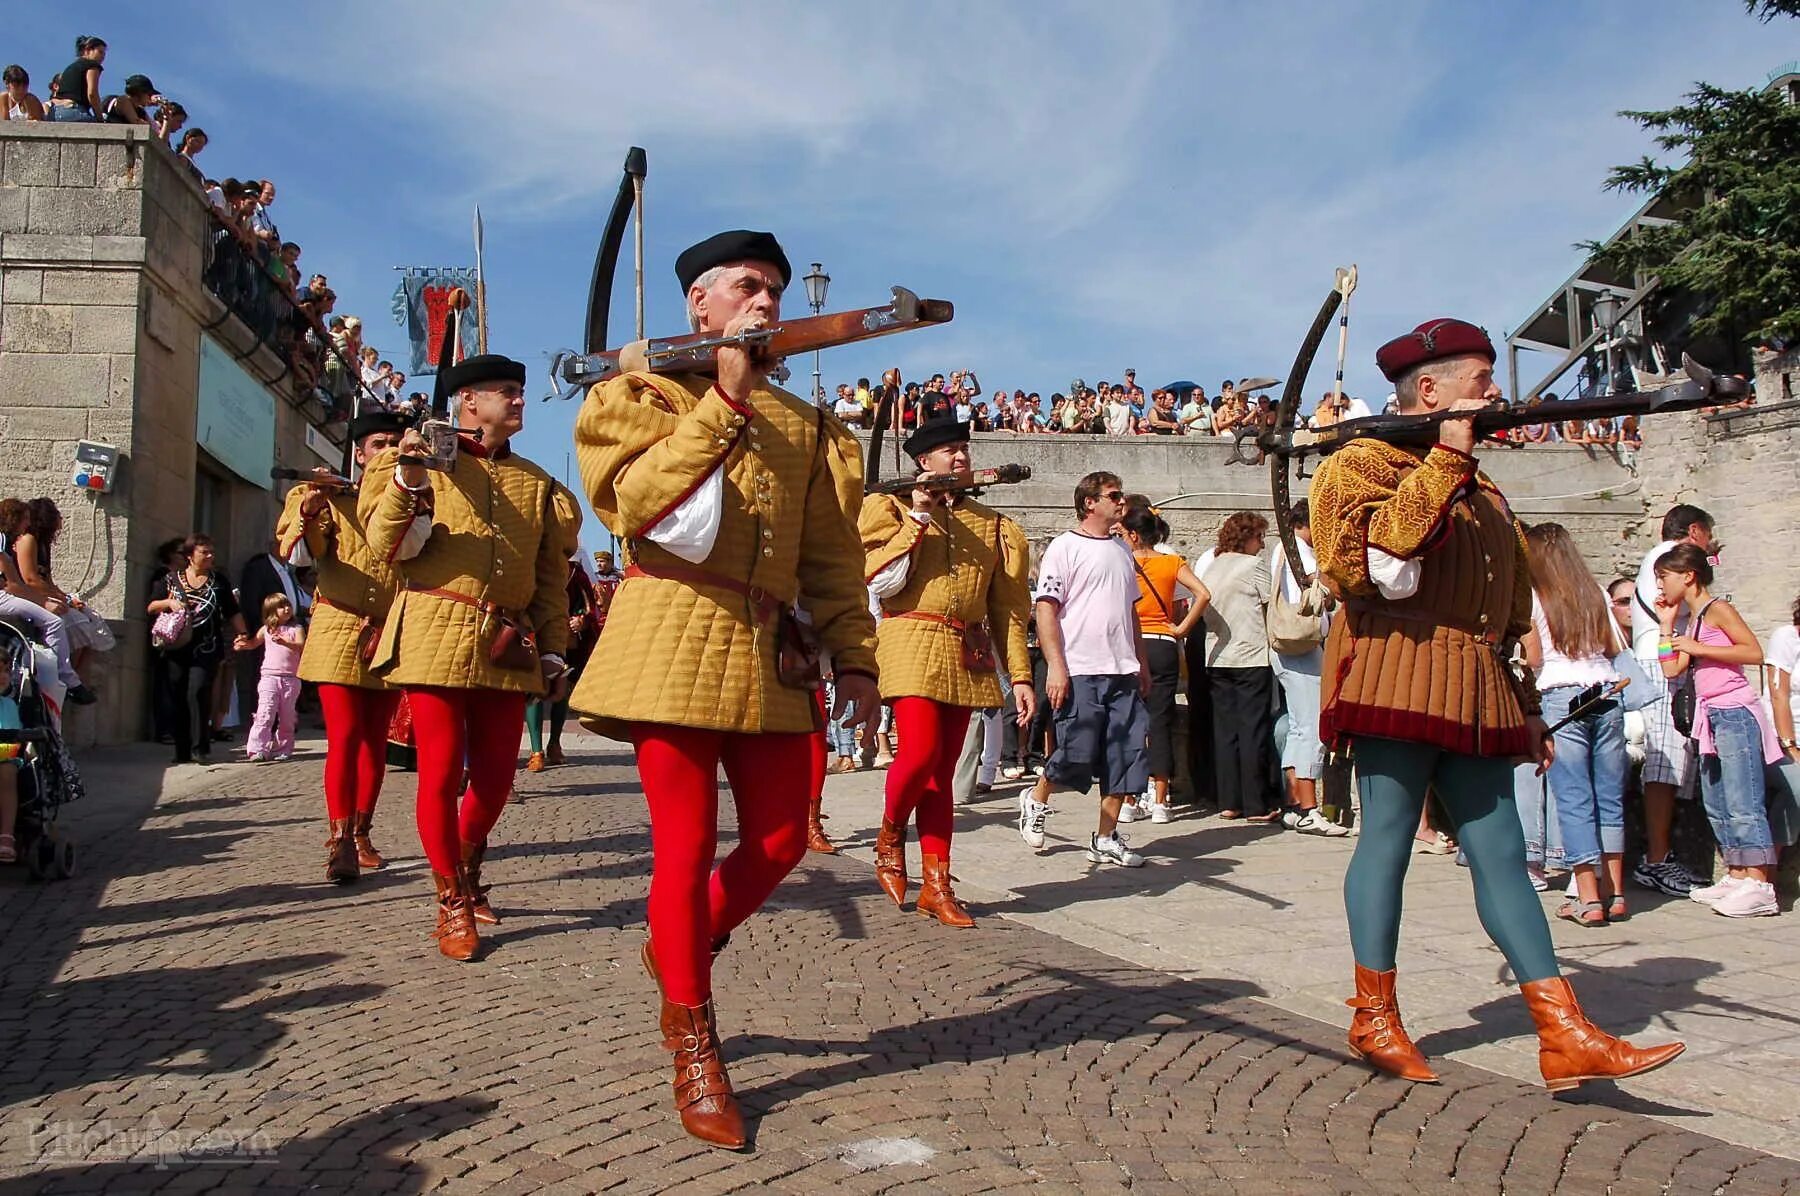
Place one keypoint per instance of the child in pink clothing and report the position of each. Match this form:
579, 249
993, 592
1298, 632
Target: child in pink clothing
278, 692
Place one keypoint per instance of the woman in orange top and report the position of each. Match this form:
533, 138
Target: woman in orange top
1158, 574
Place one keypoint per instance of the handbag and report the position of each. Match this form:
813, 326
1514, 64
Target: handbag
978, 647
1295, 627
514, 646
1684, 703
798, 650
173, 630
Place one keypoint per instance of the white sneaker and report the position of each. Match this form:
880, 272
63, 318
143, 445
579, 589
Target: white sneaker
1111, 849
1031, 820
1712, 894
1748, 899
1129, 812
1290, 818
1159, 812
1311, 822
1012, 772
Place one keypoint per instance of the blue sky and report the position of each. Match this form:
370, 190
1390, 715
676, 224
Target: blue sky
1153, 184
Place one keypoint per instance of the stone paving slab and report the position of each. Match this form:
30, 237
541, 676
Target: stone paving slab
195, 1011
1226, 899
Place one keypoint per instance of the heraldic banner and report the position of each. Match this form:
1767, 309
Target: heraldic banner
421, 304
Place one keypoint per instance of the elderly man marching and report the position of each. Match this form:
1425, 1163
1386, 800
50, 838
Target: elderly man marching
478, 624
1419, 687
726, 495
951, 575
320, 526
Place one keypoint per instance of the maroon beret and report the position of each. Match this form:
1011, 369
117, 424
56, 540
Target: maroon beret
1433, 340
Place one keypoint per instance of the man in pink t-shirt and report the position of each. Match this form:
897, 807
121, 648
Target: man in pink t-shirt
1086, 607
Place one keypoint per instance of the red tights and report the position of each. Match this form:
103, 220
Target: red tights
924, 772
454, 728
692, 903
356, 726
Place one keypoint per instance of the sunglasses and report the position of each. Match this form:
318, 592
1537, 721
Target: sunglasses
1114, 495
1621, 602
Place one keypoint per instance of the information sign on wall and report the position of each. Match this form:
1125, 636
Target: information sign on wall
235, 417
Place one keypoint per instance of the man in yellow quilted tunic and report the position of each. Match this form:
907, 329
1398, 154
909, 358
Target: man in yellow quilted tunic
1420, 689
951, 575
725, 495
479, 622
320, 526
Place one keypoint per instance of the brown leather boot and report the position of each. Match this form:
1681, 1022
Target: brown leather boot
815, 830
702, 1090
455, 933
553, 755
1376, 1035
1572, 1049
936, 899
890, 861
478, 892
366, 855
340, 854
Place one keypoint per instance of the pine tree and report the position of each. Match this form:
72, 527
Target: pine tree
1736, 246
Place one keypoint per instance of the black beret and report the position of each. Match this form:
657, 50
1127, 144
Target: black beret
738, 245
935, 433
1433, 340
484, 367
377, 420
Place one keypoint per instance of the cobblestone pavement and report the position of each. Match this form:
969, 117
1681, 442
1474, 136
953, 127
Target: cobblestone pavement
196, 1011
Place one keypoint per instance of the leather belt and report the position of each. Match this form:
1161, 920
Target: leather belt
765, 604
1157, 635
928, 617
1479, 631
480, 604
353, 612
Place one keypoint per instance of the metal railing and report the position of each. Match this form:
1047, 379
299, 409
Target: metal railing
242, 278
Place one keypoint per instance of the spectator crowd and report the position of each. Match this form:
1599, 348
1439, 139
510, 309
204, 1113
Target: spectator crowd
249, 266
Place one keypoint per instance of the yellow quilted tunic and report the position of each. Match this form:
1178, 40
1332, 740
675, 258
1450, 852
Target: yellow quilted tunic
355, 588
691, 653
497, 538
1431, 668
970, 563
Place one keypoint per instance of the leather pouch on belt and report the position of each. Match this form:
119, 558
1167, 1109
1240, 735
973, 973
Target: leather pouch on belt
797, 652
978, 647
368, 634
513, 647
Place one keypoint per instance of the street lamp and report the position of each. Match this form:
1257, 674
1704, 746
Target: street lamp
817, 283
1606, 314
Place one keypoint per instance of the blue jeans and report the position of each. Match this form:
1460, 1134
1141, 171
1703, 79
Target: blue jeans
1299, 677
1732, 788
1537, 817
840, 737
1588, 777
67, 113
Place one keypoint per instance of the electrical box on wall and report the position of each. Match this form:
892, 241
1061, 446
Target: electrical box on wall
95, 466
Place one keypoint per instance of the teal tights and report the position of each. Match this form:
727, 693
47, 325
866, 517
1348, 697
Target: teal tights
534, 722
1478, 793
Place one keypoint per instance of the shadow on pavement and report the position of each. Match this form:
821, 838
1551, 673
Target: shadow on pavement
365, 1154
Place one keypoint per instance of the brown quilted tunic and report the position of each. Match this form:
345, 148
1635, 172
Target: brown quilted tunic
970, 563
497, 538
1431, 668
679, 649
355, 589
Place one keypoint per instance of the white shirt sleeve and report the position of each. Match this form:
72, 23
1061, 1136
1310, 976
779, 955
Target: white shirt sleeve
413, 540
690, 530
892, 578
1395, 578
298, 556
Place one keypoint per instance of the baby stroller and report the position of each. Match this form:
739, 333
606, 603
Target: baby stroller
48, 779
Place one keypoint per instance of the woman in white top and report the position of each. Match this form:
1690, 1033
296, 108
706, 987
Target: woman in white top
1570, 647
1782, 660
1238, 675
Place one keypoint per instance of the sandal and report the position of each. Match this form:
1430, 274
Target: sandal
1579, 912
1231, 815
9, 850
1264, 819
1616, 910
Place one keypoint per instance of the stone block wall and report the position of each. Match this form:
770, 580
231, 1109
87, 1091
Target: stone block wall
1742, 467
102, 245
